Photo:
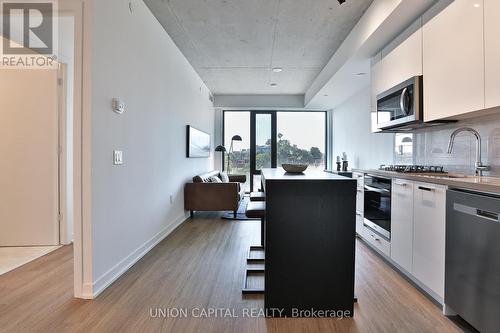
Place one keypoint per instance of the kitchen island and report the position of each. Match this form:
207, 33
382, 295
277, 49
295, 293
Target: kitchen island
309, 243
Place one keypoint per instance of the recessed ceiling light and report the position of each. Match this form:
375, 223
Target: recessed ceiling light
477, 5
277, 69
274, 85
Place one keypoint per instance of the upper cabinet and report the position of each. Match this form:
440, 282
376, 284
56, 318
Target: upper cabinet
376, 88
492, 51
453, 60
403, 61
455, 46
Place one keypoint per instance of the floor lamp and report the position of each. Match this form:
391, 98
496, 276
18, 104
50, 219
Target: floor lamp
221, 149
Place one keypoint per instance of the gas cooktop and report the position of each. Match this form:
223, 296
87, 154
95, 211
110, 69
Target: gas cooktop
414, 168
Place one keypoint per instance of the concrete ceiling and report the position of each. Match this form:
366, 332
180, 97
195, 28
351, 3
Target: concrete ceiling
380, 25
234, 44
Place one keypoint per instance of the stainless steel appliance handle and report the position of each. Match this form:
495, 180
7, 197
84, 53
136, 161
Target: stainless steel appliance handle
402, 103
374, 189
487, 215
481, 213
377, 176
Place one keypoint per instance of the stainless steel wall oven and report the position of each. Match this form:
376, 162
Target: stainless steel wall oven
378, 204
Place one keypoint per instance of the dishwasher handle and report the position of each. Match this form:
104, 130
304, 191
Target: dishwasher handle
487, 215
481, 213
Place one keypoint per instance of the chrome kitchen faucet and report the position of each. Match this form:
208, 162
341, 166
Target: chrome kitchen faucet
479, 166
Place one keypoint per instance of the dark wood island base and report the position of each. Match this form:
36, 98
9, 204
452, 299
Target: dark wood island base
310, 244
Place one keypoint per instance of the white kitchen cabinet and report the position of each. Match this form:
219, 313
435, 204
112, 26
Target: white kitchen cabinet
403, 61
376, 241
402, 223
360, 203
429, 216
492, 52
453, 60
377, 80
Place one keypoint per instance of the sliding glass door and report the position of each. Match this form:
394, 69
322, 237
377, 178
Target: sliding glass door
272, 138
263, 145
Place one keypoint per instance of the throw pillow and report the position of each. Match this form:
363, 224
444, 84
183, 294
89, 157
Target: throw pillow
224, 177
215, 179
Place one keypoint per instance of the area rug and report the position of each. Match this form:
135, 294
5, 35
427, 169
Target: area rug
240, 215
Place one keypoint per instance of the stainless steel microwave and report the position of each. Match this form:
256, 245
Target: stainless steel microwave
402, 106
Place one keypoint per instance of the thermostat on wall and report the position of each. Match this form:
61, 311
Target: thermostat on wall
118, 106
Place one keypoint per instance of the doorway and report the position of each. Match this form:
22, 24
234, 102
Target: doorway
35, 190
68, 140
272, 138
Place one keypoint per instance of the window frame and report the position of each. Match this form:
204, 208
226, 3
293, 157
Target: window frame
274, 134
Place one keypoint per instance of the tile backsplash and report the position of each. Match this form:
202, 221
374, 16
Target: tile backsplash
430, 146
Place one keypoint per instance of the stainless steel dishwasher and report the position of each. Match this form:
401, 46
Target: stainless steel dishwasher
472, 275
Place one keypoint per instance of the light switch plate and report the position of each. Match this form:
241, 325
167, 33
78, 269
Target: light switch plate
117, 157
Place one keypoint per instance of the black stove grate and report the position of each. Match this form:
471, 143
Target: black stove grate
413, 168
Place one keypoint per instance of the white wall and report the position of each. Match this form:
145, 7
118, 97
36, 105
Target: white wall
218, 140
352, 134
133, 58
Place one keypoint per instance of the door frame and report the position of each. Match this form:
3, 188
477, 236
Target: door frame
82, 132
62, 154
253, 143
82, 141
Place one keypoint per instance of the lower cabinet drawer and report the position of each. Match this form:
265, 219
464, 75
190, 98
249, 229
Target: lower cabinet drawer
377, 241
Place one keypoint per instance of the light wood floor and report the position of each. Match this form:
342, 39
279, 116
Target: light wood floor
14, 257
201, 265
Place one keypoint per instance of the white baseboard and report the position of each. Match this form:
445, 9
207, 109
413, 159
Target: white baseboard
93, 290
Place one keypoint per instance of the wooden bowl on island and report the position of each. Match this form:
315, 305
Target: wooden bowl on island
295, 168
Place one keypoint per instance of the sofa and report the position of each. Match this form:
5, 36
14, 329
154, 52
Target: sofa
205, 195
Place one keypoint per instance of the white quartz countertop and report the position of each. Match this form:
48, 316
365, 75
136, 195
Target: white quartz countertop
475, 183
